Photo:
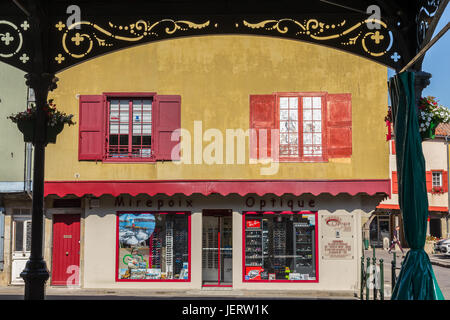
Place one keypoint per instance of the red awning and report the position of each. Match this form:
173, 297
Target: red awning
222, 187
397, 207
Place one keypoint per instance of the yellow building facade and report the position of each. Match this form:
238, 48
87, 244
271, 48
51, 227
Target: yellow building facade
198, 222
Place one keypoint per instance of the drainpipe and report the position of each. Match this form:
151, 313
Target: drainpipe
448, 187
28, 159
2, 235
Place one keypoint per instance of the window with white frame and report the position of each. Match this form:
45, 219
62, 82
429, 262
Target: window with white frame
437, 179
305, 138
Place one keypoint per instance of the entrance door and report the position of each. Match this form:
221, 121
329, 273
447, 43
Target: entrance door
21, 247
217, 248
66, 249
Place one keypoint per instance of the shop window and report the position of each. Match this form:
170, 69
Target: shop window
122, 127
312, 126
153, 246
280, 246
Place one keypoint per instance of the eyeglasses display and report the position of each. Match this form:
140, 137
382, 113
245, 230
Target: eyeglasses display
280, 247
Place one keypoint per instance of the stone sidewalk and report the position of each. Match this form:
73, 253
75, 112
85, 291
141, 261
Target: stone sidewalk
210, 293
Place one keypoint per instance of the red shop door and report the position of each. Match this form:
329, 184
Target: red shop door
66, 249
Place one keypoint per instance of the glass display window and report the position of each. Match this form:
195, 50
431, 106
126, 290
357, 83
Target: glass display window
153, 246
280, 246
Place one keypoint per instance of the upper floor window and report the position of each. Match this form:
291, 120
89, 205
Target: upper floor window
437, 179
130, 128
312, 126
118, 127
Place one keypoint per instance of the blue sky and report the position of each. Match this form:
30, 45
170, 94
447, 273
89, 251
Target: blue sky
437, 62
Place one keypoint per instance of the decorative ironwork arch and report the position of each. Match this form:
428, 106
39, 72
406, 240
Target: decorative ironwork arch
391, 39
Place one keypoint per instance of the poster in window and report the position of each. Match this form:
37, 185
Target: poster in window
152, 246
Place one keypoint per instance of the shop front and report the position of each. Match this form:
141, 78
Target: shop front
249, 242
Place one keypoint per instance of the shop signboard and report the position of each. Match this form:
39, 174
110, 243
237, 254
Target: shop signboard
337, 237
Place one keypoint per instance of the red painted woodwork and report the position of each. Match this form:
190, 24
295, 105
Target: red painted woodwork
429, 180
316, 239
66, 249
393, 147
397, 207
339, 131
445, 181
222, 187
91, 127
188, 213
394, 182
263, 119
167, 115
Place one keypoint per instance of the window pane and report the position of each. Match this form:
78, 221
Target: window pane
317, 126
153, 246
280, 247
307, 115
307, 138
307, 103
317, 138
293, 139
293, 115
293, 150
284, 114
307, 150
307, 126
19, 236
284, 150
28, 236
284, 126
113, 140
317, 102
293, 103
284, 104
284, 138
317, 114
123, 140
293, 126
317, 150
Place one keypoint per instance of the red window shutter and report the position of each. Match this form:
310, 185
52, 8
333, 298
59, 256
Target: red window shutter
394, 182
429, 180
393, 147
262, 116
339, 125
167, 118
91, 127
445, 181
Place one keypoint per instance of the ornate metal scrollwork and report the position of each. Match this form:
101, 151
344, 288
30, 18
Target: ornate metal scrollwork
375, 43
12, 41
80, 42
427, 9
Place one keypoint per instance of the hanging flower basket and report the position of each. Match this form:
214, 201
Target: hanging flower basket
430, 115
26, 121
27, 128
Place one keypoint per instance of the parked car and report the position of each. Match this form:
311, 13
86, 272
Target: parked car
442, 246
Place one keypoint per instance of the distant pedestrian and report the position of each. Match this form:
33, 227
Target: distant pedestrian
395, 240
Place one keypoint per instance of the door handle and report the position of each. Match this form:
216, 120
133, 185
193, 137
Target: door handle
67, 253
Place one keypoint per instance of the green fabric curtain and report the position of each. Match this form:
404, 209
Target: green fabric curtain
416, 280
